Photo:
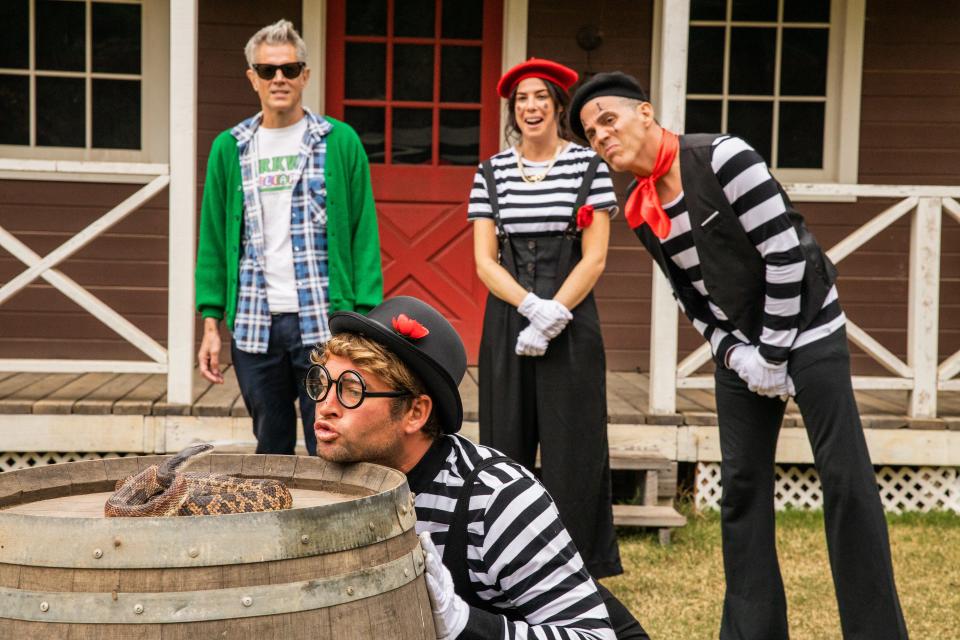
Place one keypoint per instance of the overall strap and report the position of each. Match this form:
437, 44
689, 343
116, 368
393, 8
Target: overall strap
455, 549
506, 249
487, 169
584, 192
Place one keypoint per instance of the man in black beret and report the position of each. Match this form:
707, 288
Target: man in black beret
386, 388
755, 283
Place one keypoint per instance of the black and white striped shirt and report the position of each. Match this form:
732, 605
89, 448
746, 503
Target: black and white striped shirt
544, 207
755, 198
519, 555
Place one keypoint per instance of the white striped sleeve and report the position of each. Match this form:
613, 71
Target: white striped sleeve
529, 556
756, 198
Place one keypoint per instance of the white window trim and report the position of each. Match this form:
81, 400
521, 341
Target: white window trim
842, 114
314, 33
108, 165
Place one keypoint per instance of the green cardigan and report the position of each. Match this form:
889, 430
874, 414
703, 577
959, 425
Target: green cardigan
353, 242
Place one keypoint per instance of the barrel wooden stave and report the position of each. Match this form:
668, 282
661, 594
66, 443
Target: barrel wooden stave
401, 613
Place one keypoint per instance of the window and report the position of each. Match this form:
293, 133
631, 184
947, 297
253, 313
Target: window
412, 79
784, 75
79, 78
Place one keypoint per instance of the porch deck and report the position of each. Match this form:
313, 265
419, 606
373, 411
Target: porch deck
145, 394
105, 412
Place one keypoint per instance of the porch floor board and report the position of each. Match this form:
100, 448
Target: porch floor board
145, 394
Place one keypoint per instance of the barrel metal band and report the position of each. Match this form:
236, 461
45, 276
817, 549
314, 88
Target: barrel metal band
214, 604
203, 541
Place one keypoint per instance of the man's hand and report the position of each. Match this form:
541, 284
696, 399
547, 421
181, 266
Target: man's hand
531, 342
761, 376
209, 354
548, 316
450, 612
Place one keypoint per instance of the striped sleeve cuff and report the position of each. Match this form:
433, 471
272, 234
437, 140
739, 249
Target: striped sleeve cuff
482, 625
726, 344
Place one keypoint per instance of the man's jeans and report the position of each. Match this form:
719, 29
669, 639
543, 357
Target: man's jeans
271, 381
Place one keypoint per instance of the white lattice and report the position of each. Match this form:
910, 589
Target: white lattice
706, 490
10, 460
901, 489
798, 488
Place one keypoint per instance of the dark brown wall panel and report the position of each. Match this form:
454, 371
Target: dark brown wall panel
127, 266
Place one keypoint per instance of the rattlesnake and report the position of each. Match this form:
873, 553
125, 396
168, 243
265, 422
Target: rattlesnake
162, 490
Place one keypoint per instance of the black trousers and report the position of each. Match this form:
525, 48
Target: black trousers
270, 383
754, 605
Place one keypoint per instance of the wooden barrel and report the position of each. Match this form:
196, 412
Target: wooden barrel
344, 562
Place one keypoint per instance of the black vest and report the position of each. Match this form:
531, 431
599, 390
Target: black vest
732, 268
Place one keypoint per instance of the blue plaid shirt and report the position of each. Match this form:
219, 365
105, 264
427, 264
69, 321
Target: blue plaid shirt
308, 239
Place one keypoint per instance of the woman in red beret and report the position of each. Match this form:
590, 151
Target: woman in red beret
541, 218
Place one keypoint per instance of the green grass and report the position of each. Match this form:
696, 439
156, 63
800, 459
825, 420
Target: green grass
677, 591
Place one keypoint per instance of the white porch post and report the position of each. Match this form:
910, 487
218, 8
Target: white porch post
670, 77
183, 199
924, 307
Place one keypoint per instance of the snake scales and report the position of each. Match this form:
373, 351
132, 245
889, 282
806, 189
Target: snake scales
164, 490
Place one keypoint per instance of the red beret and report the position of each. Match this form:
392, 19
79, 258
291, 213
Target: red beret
555, 72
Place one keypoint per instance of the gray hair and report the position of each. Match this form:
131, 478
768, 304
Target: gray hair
280, 32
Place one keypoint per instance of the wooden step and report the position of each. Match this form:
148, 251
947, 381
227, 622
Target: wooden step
632, 515
638, 459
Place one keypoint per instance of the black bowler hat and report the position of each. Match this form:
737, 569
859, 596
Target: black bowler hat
613, 83
424, 340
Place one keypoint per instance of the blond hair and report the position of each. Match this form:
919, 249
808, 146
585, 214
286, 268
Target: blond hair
373, 357
280, 32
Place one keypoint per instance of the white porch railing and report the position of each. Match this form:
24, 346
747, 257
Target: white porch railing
922, 375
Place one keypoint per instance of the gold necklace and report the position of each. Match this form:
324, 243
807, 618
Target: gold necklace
540, 176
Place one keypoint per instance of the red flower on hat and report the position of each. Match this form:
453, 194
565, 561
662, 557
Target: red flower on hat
408, 327
585, 216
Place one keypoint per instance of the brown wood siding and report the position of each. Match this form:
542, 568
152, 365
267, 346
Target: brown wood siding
126, 267
910, 134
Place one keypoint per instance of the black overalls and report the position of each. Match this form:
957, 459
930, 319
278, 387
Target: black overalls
558, 399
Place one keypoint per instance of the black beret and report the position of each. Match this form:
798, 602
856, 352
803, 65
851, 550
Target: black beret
614, 83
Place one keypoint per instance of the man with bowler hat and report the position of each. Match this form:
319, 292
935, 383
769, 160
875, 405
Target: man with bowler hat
499, 561
753, 280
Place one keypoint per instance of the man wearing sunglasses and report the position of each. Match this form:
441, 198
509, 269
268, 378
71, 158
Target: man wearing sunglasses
288, 234
386, 388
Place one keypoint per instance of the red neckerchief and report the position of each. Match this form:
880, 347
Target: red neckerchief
644, 203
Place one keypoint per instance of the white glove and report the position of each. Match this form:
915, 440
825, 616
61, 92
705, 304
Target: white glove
549, 316
531, 342
450, 612
762, 377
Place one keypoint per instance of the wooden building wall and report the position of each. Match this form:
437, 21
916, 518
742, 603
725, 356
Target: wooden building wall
910, 134
126, 267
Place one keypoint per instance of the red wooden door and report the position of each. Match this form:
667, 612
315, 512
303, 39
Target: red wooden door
417, 80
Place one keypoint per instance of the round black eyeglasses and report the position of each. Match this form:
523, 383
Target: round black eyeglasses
351, 389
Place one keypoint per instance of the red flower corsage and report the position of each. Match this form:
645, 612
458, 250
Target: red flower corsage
585, 216
408, 327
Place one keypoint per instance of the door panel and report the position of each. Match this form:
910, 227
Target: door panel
417, 80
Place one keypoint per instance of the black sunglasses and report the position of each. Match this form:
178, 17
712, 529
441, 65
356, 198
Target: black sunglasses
290, 70
351, 389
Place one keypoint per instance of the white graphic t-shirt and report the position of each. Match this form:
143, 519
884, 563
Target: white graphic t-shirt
278, 152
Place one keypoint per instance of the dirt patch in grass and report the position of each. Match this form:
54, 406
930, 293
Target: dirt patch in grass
677, 591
